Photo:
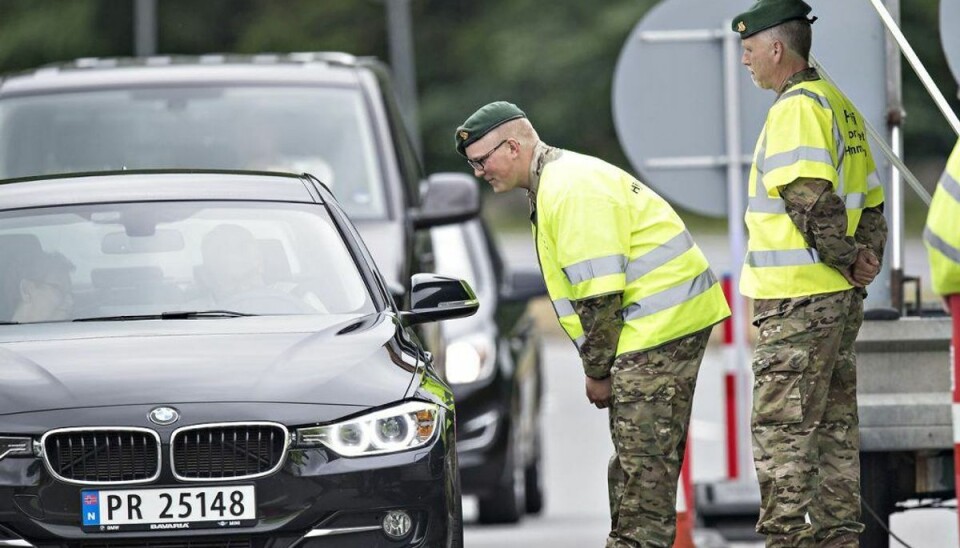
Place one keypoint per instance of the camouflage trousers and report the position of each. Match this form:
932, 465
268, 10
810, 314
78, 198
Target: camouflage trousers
806, 437
652, 398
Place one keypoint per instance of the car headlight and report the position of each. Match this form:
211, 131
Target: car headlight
406, 426
11, 446
470, 359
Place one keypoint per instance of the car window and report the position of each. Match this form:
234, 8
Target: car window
459, 259
323, 131
261, 258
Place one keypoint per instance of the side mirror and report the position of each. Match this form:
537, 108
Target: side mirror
450, 198
523, 285
435, 298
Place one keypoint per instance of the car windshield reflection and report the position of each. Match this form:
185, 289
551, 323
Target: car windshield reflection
175, 261
323, 131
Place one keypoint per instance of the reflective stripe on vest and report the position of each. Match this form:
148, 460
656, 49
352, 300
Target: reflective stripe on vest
645, 264
669, 298
940, 245
951, 186
788, 257
595, 268
637, 268
563, 307
813, 95
790, 157
873, 181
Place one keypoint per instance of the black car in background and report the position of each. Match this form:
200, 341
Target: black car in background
329, 114
211, 359
493, 364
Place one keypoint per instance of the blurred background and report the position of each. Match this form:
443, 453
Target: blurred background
556, 60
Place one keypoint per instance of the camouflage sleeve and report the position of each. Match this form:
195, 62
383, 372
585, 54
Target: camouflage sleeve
601, 321
821, 216
872, 231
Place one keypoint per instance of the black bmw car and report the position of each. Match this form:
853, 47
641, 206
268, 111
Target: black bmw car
211, 359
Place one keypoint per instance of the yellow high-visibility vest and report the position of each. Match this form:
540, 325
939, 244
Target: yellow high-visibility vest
942, 233
812, 131
599, 231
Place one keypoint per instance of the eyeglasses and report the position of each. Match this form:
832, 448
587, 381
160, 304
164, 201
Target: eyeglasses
477, 163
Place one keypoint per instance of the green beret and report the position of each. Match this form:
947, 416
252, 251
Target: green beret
484, 121
766, 14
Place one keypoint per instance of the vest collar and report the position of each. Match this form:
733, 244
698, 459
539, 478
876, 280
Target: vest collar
542, 155
808, 74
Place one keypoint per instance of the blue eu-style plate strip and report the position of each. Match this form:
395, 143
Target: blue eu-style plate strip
91, 507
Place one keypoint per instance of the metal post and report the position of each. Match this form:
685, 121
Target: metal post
400, 37
145, 28
954, 303
735, 194
918, 66
892, 272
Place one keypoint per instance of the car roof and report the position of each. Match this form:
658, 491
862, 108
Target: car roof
312, 68
158, 185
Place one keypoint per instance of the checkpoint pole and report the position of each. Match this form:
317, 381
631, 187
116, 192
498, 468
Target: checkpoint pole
730, 386
685, 502
954, 303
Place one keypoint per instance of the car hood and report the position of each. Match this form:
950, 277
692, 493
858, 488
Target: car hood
335, 360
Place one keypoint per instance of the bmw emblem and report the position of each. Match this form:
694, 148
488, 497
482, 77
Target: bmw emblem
164, 415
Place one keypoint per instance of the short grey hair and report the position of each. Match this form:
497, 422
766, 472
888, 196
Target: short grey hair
520, 129
795, 35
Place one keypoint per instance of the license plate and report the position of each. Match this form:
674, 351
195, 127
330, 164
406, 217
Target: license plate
168, 509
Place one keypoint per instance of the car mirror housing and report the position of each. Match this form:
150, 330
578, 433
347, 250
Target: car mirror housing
450, 198
523, 285
435, 298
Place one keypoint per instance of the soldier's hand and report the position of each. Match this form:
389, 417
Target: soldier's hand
865, 268
848, 274
599, 391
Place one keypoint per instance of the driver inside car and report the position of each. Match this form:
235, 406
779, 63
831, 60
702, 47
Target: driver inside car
40, 288
233, 273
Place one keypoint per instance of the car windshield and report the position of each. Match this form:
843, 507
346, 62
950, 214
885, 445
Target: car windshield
318, 130
208, 259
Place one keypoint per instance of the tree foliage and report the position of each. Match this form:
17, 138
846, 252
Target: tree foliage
555, 59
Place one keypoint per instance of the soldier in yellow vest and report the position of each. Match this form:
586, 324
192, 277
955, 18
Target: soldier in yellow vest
631, 289
942, 233
817, 234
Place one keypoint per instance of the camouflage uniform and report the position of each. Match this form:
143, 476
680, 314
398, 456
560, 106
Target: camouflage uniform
649, 414
649, 411
806, 438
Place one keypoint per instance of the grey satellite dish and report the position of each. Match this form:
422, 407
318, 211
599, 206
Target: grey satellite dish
950, 38
668, 93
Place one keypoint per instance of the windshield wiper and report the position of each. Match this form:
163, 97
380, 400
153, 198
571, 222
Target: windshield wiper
177, 315
9, 323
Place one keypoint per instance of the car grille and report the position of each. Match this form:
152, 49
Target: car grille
173, 543
103, 456
228, 451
